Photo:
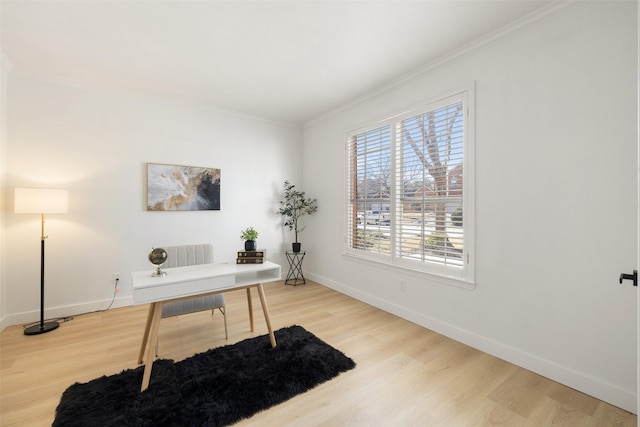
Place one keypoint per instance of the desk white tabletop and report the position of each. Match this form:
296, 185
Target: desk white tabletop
197, 279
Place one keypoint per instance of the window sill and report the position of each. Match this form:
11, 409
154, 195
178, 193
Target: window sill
435, 278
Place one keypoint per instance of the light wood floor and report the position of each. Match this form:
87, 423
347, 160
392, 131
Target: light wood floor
405, 376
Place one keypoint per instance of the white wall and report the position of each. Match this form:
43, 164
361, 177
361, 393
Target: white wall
5, 67
96, 142
556, 199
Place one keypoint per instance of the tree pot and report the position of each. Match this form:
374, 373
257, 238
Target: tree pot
250, 245
296, 246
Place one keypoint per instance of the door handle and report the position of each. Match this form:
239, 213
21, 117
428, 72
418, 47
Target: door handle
633, 277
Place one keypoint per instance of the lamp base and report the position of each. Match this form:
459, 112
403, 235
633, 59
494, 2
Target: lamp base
41, 329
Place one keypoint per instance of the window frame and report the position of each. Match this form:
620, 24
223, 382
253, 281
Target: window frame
461, 276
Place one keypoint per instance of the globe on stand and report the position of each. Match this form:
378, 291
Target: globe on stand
157, 257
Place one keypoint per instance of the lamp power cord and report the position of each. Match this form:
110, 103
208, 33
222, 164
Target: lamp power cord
68, 318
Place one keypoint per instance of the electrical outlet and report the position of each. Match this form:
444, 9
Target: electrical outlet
116, 276
403, 286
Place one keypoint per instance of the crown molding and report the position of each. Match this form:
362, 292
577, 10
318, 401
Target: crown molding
513, 28
114, 88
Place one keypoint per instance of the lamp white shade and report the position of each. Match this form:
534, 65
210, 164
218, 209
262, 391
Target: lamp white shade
41, 200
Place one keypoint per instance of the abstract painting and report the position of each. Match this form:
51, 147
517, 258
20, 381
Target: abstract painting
182, 188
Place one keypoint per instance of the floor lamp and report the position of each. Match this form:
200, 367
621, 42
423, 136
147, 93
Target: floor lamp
41, 201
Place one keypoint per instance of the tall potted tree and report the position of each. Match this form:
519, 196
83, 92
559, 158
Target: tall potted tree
294, 205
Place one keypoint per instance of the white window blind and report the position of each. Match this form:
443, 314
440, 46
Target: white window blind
370, 190
407, 201
430, 159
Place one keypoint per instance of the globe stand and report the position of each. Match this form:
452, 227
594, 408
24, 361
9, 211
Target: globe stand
159, 272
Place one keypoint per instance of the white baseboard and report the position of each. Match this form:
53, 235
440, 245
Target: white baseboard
625, 399
30, 317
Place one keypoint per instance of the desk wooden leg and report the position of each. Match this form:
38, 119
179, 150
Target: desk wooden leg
145, 337
250, 304
153, 336
265, 310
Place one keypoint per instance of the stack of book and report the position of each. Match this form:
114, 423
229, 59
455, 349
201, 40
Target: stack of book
251, 257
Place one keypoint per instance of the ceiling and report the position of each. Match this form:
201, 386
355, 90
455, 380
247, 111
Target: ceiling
289, 61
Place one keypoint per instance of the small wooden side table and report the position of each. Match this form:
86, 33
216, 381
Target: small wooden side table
295, 276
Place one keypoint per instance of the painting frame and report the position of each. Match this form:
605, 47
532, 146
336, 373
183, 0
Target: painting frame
173, 187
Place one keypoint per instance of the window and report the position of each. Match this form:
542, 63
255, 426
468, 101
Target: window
409, 200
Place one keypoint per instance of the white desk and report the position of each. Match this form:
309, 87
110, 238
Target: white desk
197, 280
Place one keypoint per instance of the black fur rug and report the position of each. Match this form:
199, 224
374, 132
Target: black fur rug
215, 388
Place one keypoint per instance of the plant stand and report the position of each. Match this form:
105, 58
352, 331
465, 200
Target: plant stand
295, 276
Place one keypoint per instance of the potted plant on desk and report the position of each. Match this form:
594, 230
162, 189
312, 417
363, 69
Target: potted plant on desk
294, 205
249, 235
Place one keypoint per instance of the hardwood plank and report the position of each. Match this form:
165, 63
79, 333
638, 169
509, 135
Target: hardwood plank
406, 375
567, 396
522, 392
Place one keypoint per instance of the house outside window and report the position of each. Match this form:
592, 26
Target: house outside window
409, 199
